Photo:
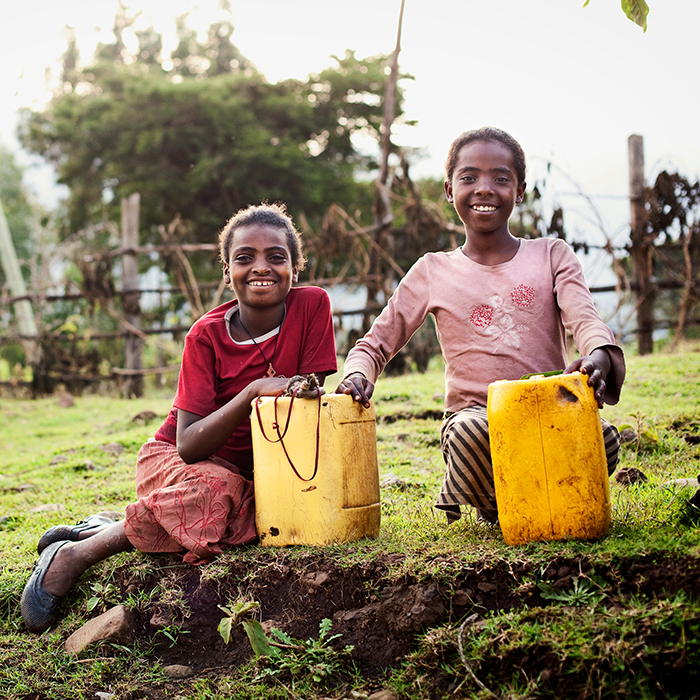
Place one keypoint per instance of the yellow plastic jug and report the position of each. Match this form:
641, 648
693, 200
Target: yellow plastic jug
333, 496
549, 463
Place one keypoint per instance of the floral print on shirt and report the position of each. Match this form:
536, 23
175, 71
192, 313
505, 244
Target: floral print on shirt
497, 320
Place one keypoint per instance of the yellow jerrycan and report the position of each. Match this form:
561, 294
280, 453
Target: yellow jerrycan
316, 472
549, 464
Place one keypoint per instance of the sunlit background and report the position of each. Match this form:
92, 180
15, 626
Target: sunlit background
570, 83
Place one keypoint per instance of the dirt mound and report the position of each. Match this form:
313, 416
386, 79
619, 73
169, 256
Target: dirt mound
378, 613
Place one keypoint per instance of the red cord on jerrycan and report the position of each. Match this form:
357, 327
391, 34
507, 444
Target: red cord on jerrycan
549, 464
316, 472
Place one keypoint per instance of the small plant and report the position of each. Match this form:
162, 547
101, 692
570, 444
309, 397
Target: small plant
171, 632
104, 595
313, 660
141, 599
236, 614
645, 430
584, 592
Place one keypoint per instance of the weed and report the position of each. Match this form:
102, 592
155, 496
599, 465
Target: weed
140, 599
313, 660
104, 595
583, 592
172, 633
236, 613
646, 432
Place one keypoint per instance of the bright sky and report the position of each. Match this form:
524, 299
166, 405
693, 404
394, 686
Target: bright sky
570, 83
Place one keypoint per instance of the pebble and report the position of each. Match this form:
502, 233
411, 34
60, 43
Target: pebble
178, 671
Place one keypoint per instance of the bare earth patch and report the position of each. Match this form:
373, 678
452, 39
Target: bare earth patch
384, 618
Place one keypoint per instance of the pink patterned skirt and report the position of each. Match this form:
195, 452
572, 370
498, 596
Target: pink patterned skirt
193, 507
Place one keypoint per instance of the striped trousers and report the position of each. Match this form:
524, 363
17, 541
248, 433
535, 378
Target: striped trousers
469, 472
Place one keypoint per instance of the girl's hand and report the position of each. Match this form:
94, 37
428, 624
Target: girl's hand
358, 386
596, 366
268, 386
198, 437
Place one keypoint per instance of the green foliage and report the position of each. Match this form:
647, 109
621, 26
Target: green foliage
206, 136
589, 637
313, 660
171, 633
258, 639
658, 385
235, 614
105, 594
645, 430
585, 591
576, 651
636, 10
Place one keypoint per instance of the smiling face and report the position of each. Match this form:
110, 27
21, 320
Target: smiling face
484, 187
259, 269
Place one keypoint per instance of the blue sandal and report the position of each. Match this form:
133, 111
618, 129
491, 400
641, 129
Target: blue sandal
39, 607
72, 532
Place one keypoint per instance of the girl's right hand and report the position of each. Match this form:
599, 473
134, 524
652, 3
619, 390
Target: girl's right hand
358, 386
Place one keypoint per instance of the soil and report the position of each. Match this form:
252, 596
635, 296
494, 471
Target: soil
381, 616
385, 615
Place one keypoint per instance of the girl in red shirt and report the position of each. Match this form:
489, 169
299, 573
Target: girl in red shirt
194, 478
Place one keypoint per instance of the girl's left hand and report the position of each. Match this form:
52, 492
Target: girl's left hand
269, 386
596, 366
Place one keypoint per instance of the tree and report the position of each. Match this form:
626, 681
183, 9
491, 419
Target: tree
198, 135
207, 137
672, 226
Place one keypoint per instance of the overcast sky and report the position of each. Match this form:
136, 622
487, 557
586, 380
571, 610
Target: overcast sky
570, 83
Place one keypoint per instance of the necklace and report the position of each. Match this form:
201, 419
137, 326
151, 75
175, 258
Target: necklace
270, 369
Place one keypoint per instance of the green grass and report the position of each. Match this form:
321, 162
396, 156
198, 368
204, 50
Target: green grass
661, 386
560, 638
56, 466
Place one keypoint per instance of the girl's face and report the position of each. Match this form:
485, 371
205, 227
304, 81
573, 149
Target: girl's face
260, 269
484, 187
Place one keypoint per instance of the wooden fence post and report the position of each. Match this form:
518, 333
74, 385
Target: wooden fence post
13, 273
133, 384
642, 260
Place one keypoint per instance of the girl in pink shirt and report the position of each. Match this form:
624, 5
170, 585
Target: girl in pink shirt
501, 305
194, 479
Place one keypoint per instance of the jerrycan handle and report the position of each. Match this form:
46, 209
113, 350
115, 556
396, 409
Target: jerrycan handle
553, 373
280, 436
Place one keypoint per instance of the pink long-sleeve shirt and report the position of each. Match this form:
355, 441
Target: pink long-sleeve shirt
493, 322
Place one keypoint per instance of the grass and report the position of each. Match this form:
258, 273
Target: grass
60, 464
499, 643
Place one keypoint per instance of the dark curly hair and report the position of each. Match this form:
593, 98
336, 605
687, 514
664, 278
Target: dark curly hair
264, 214
486, 133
